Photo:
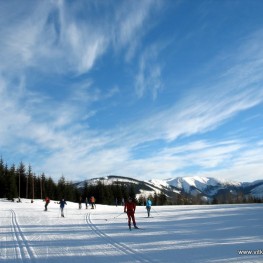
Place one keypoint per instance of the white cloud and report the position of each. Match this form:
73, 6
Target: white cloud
52, 40
86, 46
55, 39
54, 131
148, 77
131, 25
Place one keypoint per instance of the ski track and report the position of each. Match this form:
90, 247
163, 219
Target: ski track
23, 250
65, 249
59, 251
3, 239
120, 247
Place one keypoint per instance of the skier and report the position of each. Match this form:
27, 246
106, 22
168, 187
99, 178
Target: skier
86, 202
62, 205
80, 201
92, 200
129, 208
148, 206
47, 200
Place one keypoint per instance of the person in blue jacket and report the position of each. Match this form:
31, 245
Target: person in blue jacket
62, 205
148, 206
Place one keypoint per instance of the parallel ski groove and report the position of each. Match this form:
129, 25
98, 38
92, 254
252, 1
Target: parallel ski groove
121, 247
23, 249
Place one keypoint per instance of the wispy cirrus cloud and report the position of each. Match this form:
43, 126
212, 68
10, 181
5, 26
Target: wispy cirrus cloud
148, 78
57, 136
131, 26
55, 38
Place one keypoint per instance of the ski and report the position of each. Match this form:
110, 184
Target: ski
137, 228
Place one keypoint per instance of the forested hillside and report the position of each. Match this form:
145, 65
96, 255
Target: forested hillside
21, 182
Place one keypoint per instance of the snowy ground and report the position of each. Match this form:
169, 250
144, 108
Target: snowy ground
173, 234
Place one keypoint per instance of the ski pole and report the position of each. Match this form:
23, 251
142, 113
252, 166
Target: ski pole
114, 217
155, 211
118, 215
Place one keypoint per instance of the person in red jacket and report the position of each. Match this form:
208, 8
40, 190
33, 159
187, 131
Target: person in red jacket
129, 208
47, 200
92, 201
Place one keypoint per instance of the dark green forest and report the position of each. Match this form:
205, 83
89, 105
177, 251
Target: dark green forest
21, 182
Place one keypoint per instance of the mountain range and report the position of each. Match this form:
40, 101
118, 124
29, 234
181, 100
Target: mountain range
206, 188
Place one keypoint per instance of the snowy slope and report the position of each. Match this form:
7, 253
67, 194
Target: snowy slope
108, 180
258, 191
198, 234
200, 183
204, 186
159, 183
144, 188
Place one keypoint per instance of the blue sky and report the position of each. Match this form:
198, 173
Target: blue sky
145, 89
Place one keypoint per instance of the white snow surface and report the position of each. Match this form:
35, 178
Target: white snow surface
173, 234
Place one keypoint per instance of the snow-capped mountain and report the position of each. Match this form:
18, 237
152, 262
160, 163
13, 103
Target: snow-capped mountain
255, 188
142, 188
206, 187
202, 185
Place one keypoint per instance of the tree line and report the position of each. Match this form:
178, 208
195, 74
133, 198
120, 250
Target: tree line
22, 182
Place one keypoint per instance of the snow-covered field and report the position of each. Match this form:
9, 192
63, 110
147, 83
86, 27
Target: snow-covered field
173, 234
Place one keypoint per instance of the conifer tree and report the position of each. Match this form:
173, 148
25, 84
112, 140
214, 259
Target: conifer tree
50, 189
155, 199
85, 192
30, 183
12, 188
42, 186
118, 192
61, 188
132, 193
21, 176
162, 199
2, 179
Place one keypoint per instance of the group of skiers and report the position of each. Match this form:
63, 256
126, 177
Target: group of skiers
62, 204
129, 208
92, 202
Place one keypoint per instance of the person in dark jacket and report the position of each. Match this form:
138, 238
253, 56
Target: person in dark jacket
130, 208
87, 202
80, 202
62, 205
